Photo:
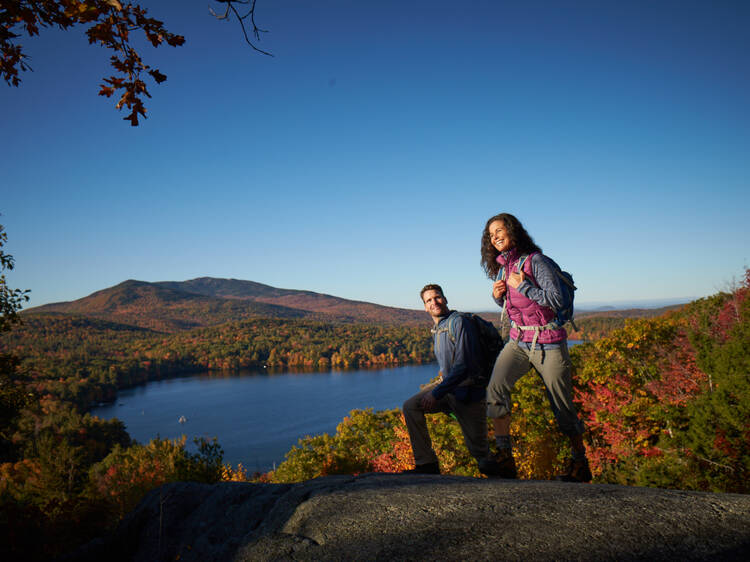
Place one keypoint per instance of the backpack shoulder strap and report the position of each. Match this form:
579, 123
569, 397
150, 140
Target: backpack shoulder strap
527, 258
530, 270
521, 262
451, 321
500, 274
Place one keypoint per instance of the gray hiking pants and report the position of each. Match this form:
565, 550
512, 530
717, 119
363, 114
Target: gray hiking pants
554, 368
472, 417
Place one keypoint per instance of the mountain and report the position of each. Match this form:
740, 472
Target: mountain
230, 288
171, 306
295, 299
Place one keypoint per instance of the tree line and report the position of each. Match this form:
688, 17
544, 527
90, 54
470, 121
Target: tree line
86, 360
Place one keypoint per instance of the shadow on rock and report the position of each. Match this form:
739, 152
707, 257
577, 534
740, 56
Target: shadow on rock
399, 517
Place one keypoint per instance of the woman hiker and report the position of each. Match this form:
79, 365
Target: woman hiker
528, 288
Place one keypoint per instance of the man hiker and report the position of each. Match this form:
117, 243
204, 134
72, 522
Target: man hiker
458, 389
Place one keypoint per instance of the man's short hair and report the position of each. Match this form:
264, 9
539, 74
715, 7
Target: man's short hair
430, 287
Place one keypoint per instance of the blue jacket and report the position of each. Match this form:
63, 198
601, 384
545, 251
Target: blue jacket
458, 361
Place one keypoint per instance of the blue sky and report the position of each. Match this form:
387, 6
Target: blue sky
364, 158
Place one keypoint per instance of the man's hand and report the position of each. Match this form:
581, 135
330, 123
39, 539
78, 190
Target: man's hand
498, 289
428, 402
515, 279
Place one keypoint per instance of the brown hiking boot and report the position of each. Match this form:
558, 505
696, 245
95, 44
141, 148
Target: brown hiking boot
577, 471
499, 465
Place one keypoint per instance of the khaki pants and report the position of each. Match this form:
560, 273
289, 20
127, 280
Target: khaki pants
554, 368
472, 417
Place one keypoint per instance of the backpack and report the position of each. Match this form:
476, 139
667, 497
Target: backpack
567, 287
490, 344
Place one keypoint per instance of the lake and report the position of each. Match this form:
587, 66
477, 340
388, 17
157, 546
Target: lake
257, 417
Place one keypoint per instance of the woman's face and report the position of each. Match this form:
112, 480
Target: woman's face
499, 236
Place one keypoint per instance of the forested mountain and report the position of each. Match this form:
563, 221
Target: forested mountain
236, 289
296, 299
172, 306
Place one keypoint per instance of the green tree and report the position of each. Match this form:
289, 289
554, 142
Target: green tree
667, 399
13, 394
717, 434
11, 300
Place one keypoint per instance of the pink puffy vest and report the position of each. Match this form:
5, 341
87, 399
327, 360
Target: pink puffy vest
524, 311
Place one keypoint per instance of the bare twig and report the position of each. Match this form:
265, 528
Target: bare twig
729, 468
232, 8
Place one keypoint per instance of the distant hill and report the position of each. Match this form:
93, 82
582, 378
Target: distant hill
308, 301
594, 324
610, 312
171, 306
604, 312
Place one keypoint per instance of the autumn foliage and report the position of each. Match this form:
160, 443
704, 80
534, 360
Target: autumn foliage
666, 401
109, 23
367, 441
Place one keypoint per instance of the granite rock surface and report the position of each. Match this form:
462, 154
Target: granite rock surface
421, 517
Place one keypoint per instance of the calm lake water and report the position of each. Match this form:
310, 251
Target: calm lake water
258, 417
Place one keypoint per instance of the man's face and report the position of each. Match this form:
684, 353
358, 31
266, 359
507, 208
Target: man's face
435, 303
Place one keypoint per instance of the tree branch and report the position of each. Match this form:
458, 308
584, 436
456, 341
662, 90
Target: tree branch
231, 7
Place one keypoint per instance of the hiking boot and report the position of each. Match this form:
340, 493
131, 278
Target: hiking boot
428, 468
578, 471
499, 465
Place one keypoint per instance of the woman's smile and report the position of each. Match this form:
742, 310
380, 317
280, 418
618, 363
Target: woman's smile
499, 236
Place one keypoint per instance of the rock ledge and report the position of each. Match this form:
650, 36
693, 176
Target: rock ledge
399, 517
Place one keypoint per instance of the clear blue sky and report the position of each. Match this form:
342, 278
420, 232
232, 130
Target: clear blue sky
364, 158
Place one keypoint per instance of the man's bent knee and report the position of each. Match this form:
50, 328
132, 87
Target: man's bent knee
413, 404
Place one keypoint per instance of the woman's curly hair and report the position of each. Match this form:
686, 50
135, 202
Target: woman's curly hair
519, 239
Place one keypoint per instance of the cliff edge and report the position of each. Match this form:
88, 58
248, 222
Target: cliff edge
400, 517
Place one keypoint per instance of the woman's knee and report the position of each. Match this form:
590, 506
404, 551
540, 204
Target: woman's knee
497, 409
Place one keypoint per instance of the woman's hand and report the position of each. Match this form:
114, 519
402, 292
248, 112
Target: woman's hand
498, 289
515, 279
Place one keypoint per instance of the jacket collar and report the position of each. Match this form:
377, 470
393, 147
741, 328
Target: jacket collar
504, 258
442, 319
